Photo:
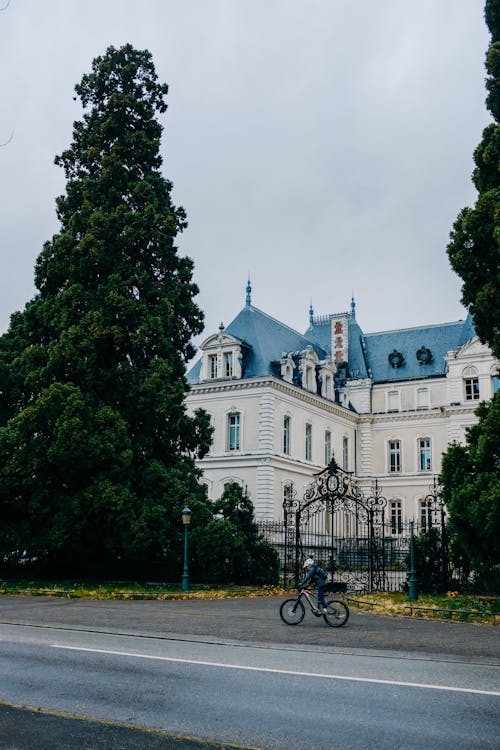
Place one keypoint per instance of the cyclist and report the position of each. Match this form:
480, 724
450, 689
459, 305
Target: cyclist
317, 575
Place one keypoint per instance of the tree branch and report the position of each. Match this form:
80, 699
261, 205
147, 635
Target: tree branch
10, 136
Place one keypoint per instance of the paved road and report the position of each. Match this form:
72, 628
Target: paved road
273, 697
257, 620
240, 620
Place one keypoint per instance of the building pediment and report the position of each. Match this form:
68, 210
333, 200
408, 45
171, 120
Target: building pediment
472, 348
220, 339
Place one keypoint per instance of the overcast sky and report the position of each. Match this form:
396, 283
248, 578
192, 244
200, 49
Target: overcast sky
323, 146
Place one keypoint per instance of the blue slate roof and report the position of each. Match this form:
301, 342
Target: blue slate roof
193, 375
438, 339
369, 353
267, 339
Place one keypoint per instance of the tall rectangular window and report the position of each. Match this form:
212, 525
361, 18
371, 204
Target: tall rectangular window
422, 398
228, 365
212, 366
394, 455
287, 493
396, 517
308, 446
471, 389
393, 401
328, 447
233, 432
424, 454
345, 454
495, 383
286, 435
425, 514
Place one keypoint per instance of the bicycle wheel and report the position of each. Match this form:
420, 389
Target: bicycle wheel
338, 613
292, 611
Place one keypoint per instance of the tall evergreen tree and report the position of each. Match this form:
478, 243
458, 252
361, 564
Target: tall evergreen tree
474, 249
471, 481
470, 472
96, 449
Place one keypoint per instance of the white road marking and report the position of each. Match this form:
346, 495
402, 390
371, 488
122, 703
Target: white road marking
278, 671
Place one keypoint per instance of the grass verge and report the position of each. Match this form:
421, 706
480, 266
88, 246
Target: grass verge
449, 606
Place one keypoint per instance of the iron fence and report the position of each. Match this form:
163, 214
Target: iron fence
353, 537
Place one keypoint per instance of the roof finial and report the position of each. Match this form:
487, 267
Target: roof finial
353, 307
311, 314
249, 292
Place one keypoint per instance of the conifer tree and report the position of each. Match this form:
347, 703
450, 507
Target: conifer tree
96, 448
474, 250
470, 472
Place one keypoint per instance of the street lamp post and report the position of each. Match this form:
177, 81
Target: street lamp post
412, 578
186, 518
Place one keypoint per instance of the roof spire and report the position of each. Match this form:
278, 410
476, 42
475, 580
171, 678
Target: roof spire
353, 307
249, 292
311, 314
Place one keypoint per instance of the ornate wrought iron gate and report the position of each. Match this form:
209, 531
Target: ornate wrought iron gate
350, 534
338, 526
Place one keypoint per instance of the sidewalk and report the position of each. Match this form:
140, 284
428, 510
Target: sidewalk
258, 620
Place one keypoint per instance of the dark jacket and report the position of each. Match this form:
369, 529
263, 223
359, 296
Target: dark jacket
316, 575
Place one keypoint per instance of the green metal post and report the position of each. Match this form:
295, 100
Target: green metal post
412, 579
186, 518
185, 573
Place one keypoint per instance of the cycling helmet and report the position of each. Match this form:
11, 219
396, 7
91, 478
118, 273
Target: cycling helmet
307, 562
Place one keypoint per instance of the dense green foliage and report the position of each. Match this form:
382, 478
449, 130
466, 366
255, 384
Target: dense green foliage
470, 473
430, 562
230, 548
96, 448
471, 481
474, 250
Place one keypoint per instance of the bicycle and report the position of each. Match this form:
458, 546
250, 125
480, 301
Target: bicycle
292, 611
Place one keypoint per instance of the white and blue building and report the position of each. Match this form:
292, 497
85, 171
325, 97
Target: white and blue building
386, 405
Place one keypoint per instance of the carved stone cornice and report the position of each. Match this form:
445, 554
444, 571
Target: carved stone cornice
442, 412
278, 385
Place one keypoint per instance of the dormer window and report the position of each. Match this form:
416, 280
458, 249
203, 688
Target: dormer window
287, 367
222, 357
212, 366
309, 378
307, 369
326, 372
228, 364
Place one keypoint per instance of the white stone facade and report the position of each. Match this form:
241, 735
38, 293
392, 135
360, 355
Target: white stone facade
272, 433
